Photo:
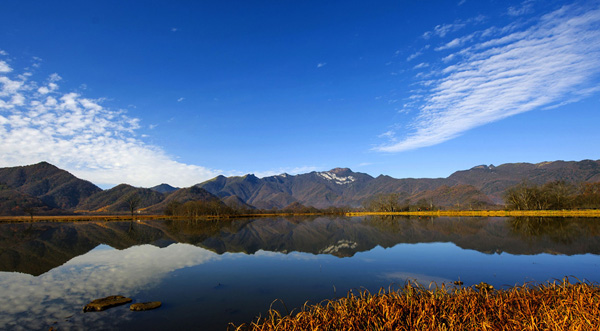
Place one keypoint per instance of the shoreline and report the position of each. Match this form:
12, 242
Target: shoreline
487, 213
591, 213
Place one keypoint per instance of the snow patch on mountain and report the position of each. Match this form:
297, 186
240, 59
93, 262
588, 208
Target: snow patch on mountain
330, 176
341, 244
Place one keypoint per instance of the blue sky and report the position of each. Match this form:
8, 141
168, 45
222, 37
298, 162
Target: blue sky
145, 92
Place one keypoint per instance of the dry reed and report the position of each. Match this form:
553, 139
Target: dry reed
488, 213
558, 305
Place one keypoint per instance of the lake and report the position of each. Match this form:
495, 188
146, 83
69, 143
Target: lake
210, 273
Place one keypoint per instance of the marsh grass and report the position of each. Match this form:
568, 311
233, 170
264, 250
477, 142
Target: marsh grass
560, 305
488, 213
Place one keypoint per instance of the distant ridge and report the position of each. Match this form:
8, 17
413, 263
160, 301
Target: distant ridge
482, 185
49, 189
164, 188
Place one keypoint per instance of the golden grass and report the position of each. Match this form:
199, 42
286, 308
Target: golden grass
489, 213
551, 306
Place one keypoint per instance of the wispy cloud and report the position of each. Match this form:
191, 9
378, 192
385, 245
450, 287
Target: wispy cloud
180, 99
525, 8
322, 64
414, 56
552, 62
441, 30
38, 122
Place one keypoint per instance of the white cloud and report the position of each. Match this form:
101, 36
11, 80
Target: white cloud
40, 123
322, 64
4, 67
554, 61
180, 99
421, 65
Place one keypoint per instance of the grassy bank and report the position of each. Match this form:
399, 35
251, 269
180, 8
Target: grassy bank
552, 306
77, 218
127, 217
488, 213
454, 213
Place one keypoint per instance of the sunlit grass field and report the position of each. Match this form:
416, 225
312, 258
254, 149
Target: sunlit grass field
489, 213
560, 305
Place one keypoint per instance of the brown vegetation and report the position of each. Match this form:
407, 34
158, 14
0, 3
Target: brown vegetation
552, 306
555, 195
488, 213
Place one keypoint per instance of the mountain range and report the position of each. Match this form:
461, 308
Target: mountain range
51, 190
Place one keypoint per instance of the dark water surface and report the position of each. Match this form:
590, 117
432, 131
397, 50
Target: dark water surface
210, 273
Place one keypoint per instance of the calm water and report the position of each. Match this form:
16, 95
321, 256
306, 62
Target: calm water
208, 274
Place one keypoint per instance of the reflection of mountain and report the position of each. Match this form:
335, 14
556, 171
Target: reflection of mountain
38, 247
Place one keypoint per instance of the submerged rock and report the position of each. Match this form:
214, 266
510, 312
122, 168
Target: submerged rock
145, 305
105, 303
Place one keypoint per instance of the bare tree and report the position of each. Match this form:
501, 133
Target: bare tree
133, 201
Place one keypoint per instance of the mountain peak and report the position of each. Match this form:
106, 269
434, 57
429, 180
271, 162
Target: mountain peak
484, 167
164, 188
340, 171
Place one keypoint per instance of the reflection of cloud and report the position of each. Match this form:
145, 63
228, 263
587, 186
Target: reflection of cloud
38, 122
399, 277
35, 302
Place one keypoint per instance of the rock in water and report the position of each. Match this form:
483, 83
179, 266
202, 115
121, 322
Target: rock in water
145, 306
105, 303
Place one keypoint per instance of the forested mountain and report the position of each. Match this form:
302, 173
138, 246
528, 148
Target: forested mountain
45, 189
116, 199
48, 189
164, 188
54, 187
480, 185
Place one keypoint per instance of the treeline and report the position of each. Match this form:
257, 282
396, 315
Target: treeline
395, 202
556, 195
216, 208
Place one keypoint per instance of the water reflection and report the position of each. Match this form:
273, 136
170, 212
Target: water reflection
209, 273
39, 247
58, 295
559, 230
